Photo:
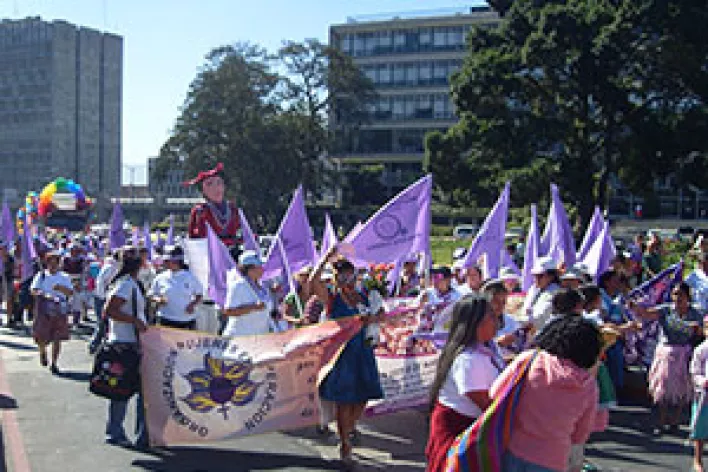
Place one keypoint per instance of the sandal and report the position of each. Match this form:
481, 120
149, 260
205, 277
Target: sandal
43, 359
345, 456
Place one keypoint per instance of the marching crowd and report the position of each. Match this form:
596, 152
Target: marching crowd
569, 344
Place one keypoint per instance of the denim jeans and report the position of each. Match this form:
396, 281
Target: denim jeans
116, 417
511, 463
101, 322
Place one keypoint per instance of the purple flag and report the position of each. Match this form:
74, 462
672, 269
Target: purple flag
508, 262
250, 243
220, 263
117, 234
296, 236
171, 231
594, 229
657, 290
354, 232
530, 251
400, 228
329, 238
490, 239
148, 240
558, 241
8, 226
599, 257
29, 252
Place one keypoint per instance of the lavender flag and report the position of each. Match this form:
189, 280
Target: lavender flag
117, 234
594, 229
250, 243
29, 252
8, 226
400, 228
296, 236
530, 251
135, 239
599, 257
329, 238
558, 241
148, 240
490, 239
171, 231
508, 262
354, 232
220, 263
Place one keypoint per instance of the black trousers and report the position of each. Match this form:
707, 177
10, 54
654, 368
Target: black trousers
189, 325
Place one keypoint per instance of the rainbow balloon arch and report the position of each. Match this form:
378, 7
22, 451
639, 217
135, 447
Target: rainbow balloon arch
62, 194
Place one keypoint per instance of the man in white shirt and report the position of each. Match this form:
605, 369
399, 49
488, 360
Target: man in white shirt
698, 281
177, 292
111, 266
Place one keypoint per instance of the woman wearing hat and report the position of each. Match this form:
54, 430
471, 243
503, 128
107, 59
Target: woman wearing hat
539, 301
221, 215
176, 292
51, 289
248, 302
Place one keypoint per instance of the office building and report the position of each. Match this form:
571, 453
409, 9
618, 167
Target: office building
171, 185
409, 58
60, 106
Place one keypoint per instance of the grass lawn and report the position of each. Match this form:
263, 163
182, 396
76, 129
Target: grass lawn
442, 248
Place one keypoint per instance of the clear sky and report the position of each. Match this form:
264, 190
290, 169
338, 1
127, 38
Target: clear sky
165, 42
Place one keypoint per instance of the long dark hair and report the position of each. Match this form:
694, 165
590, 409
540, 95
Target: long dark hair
130, 265
467, 314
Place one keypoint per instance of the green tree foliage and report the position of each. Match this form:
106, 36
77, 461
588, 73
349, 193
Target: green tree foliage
265, 117
574, 91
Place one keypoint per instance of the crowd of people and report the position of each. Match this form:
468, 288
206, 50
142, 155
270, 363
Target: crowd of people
575, 332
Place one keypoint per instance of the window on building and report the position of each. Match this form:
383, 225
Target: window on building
398, 108
411, 106
372, 43
456, 37
412, 73
384, 74
345, 43
425, 107
399, 40
425, 39
385, 42
399, 74
440, 73
426, 73
370, 73
383, 108
440, 38
440, 106
359, 45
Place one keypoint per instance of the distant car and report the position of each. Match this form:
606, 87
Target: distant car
465, 231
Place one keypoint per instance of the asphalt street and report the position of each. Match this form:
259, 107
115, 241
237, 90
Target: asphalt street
53, 424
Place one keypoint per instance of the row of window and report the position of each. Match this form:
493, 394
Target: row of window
412, 107
445, 38
26, 32
388, 141
412, 73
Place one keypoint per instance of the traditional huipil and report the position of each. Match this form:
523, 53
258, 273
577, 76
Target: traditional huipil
221, 215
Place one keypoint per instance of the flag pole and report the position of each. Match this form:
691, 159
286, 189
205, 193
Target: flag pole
288, 274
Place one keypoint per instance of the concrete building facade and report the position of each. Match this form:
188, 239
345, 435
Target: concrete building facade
409, 58
60, 106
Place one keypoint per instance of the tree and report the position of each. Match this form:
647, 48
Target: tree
321, 83
265, 117
575, 91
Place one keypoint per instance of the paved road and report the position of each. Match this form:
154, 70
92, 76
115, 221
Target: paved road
53, 424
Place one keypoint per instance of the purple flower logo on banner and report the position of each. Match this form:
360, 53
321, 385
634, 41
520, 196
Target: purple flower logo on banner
389, 227
220, 384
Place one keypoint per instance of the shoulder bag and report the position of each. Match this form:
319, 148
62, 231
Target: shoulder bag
116, 367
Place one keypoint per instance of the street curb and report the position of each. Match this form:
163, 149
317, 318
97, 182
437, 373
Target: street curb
12, 437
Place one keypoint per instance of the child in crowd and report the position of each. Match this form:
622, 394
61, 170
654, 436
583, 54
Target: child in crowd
699, 417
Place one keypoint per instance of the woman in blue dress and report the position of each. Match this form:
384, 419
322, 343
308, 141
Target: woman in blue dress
354, 379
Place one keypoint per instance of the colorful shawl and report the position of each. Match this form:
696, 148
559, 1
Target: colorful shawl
481, 446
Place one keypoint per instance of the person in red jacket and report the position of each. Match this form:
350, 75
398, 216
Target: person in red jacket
221, 215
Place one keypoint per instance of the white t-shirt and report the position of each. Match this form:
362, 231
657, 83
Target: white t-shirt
471, 371
118, 331
45, 282
105, 276
240, 292
436, 298
180, 288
